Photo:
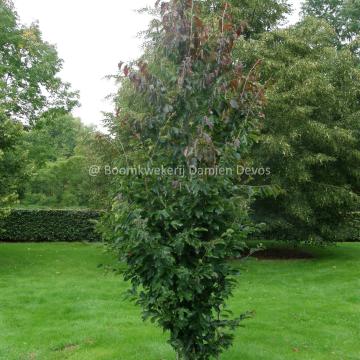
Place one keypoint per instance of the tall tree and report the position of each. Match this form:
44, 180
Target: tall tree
310, 138
54, 136
187, 103
29, 87
29, 67
11, 162
260, 16
342, 15
60, 151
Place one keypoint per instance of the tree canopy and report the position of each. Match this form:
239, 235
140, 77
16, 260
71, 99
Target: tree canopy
29, 68
60, 150
310, 138
342, 15
29, 87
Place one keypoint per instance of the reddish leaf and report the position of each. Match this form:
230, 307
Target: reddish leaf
228, 27
234, 84
198, 23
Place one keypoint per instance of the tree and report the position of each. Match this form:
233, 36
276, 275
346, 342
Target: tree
60, 152
29, 87
187, 103
29, 67
310, 138
11, 162
260, 16
99, 150
342, 15
54, 136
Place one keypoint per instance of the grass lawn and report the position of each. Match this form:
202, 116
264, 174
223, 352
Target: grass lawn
55, 303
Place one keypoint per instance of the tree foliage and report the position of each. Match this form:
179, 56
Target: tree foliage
11, 162
29, 67
186, 102
29, 87
342, 15
60, 150
311, 135
260, 16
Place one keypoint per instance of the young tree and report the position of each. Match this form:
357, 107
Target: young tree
186, 103
311, 136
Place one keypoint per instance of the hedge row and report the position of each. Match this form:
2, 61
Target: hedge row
49, 225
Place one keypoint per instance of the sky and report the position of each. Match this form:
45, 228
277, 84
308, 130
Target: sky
92, 37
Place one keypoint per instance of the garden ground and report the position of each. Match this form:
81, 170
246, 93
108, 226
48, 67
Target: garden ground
57, 303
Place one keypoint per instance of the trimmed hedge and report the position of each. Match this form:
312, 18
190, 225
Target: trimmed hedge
49, 225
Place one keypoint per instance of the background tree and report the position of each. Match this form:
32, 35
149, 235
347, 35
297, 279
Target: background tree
342, 15
100, 150
29, 67
53, 136
310, 138
29, 87
260, 16
186, 102
60, 151
11, 162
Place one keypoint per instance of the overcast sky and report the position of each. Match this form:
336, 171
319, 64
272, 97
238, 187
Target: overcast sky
92, 37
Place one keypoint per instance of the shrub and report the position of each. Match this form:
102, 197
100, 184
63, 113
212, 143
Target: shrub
49, 225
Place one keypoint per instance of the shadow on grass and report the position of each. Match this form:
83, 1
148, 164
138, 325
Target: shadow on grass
280, 250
